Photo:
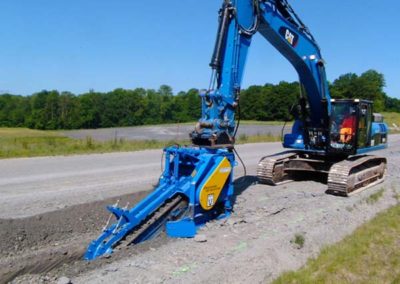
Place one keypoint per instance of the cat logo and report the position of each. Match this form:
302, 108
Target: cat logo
289, 37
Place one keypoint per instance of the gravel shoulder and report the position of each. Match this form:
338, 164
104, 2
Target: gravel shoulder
254, 245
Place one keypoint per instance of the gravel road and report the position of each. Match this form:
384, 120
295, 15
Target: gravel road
52, 207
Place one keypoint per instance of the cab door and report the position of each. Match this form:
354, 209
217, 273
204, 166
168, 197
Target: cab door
343, 128
364, 124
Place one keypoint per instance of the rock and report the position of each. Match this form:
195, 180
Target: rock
235, 221
111, 269
200, 238
64, 280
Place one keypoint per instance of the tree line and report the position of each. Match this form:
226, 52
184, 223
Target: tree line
121, 107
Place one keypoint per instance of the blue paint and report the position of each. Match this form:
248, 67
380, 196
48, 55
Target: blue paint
371, 148
186, 169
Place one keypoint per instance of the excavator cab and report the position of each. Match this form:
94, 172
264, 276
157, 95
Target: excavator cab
350, 126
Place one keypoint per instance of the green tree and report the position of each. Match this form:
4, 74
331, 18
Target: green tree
344, 86
45, 110
152, 108
122, 107
69, 111
91, 107
14, 110
392, 104
369, 85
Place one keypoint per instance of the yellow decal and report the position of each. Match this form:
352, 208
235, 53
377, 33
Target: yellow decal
211, 190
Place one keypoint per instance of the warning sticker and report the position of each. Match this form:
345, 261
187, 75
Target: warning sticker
210, 200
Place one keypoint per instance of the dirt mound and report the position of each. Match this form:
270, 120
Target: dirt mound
45, 242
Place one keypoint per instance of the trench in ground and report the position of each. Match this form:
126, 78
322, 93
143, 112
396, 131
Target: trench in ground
56, 241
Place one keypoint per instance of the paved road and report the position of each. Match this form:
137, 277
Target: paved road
165, 132
31, 186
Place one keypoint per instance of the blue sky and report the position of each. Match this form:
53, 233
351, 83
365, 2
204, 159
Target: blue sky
78, 45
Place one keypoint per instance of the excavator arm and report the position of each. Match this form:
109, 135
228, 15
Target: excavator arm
276, 21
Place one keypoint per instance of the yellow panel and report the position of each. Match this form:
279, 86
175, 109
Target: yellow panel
211, 190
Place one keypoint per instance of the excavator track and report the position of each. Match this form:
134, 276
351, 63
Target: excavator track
345, 178
154, 223
356, 174
271, 169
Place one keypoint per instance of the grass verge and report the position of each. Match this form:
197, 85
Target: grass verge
370, 255
243, 138
255, 122
22, 142
392, 119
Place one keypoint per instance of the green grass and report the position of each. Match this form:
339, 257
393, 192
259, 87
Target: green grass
370, 255
243, 138
299, 240
392, 118
373, 198
255, 122
6, 132
23, 142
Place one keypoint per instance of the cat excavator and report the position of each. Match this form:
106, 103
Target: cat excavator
330, 137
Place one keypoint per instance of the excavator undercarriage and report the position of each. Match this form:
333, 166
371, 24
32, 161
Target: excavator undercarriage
344, 177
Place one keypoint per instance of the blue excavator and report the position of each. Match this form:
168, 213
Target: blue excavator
329, 137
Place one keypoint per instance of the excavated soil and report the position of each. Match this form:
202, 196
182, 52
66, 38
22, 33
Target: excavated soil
47, 242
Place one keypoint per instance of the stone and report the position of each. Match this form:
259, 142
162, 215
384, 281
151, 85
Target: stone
200, 238
64, 280
111, 269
